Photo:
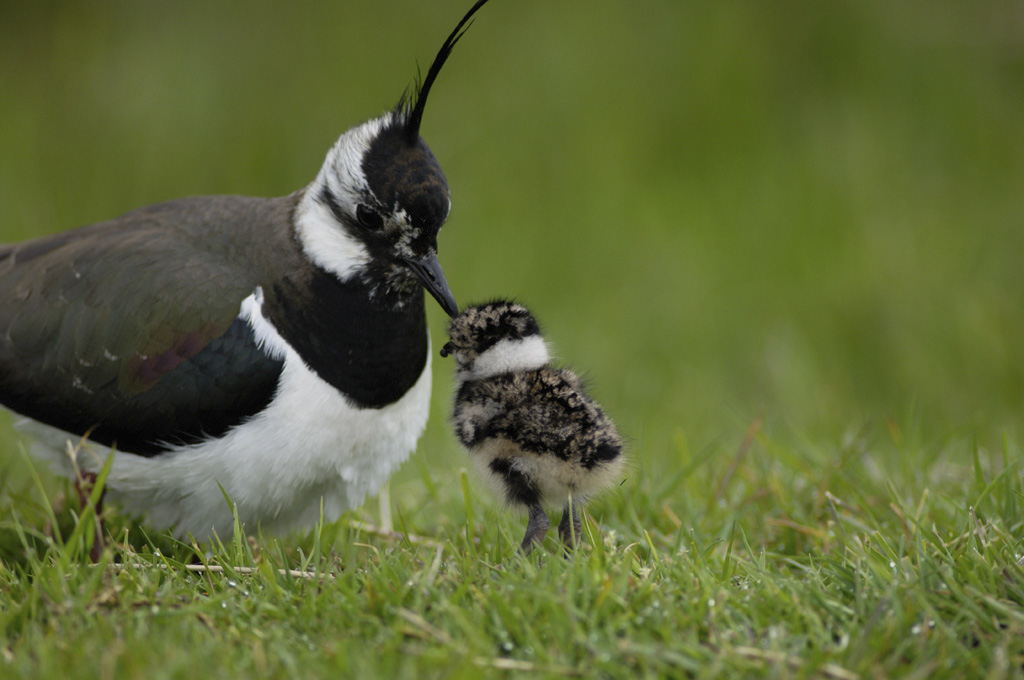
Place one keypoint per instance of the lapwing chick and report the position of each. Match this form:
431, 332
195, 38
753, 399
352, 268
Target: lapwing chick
271, 349
531, 429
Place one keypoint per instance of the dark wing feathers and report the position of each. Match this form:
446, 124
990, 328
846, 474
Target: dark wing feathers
129, 328
546, 412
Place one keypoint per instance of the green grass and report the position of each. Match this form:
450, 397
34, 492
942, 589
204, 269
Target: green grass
807, 562
783, 241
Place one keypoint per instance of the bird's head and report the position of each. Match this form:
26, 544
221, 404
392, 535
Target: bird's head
494, 338
380, 200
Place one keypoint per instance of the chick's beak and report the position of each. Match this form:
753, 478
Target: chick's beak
429, 272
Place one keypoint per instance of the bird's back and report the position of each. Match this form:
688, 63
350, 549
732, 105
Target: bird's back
130, 327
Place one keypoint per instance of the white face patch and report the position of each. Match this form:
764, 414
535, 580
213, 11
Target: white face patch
505, 356
342, 171
326, 242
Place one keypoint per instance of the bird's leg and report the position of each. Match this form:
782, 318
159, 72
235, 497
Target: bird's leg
535, 529
84, 483
570, 533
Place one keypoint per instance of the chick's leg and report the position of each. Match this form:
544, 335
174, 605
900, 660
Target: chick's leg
536, 529
570, 533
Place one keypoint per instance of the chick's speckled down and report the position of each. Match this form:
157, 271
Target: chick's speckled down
531, 429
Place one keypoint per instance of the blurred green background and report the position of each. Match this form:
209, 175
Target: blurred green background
807, 212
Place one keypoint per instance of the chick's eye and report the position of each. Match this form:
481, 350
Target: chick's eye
368, 217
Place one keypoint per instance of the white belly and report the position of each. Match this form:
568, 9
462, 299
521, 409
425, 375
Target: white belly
309, 445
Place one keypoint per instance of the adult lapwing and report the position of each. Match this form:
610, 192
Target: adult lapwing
273, 349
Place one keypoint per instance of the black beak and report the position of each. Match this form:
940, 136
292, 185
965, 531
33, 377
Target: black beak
429, 271
447, 349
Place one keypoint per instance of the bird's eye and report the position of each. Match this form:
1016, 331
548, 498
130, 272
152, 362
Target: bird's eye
368, 217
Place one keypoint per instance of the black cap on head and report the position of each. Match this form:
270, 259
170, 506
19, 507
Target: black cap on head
407, 176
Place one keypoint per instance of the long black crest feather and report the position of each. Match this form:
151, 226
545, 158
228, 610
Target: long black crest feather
414, 110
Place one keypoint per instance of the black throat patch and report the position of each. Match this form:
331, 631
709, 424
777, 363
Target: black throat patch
369, 349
